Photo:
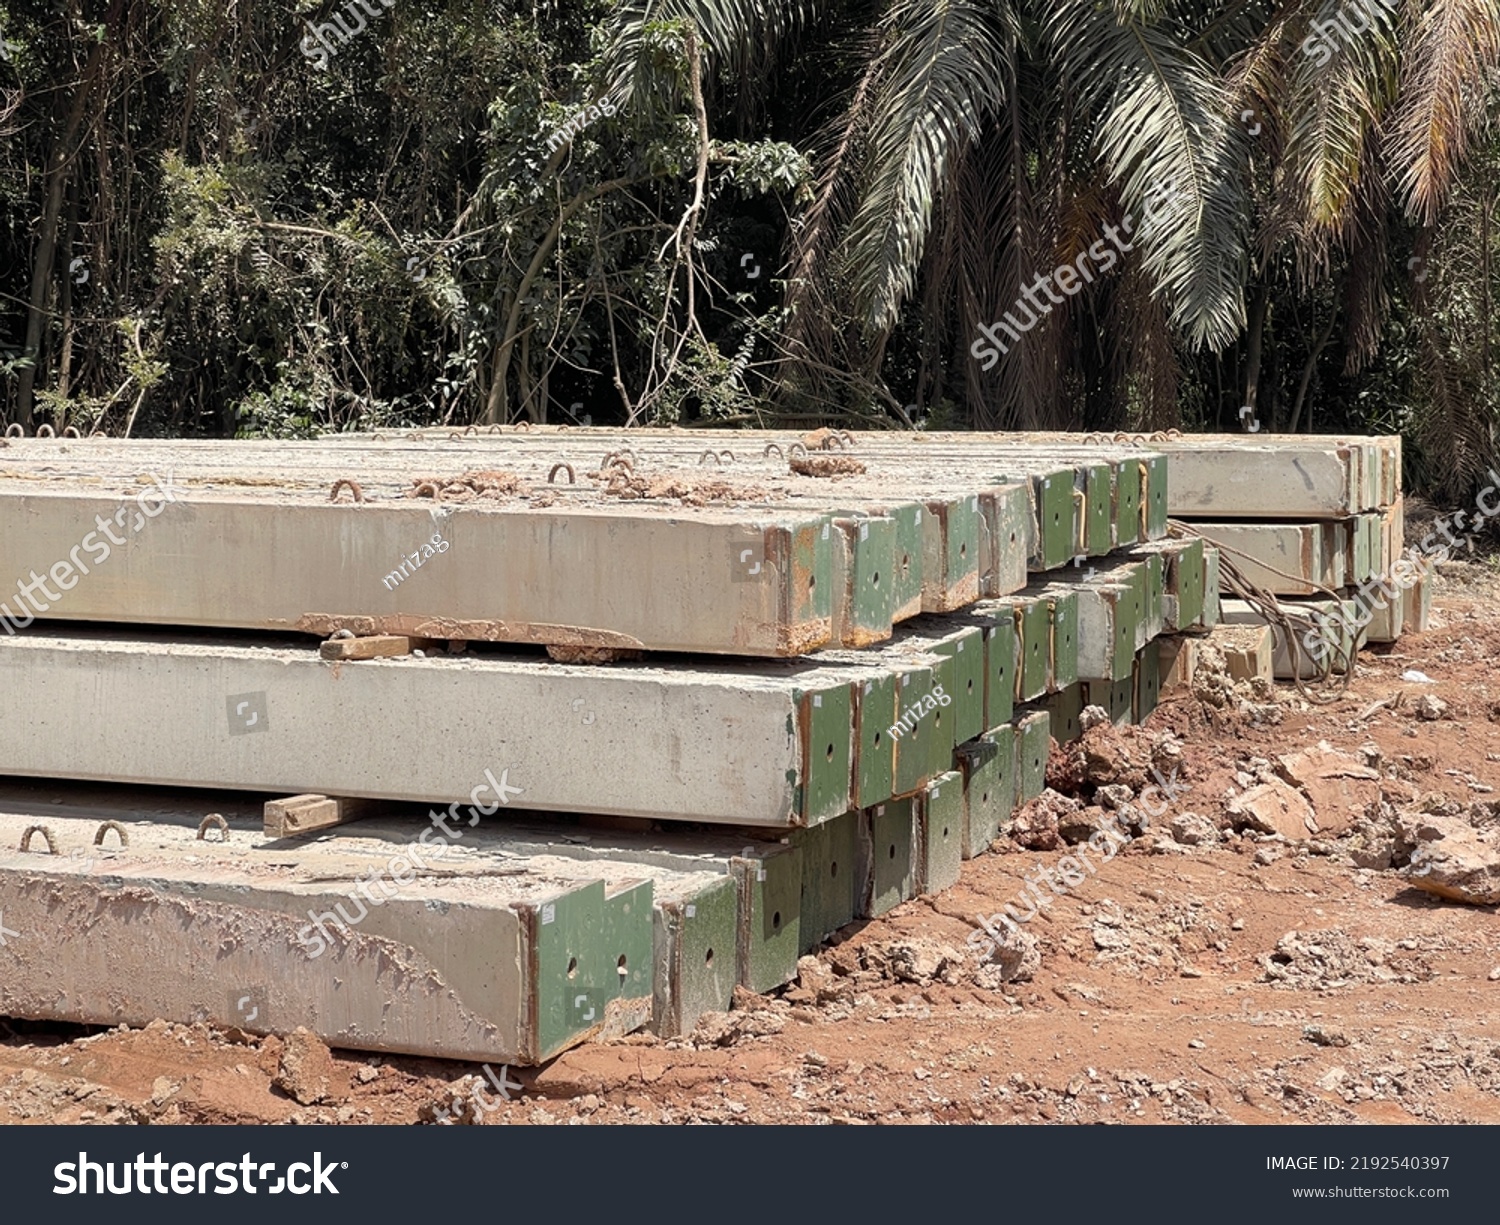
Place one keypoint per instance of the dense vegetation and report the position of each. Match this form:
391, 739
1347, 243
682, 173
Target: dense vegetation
241, 219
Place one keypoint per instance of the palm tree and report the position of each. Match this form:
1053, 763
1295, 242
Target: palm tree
982, 144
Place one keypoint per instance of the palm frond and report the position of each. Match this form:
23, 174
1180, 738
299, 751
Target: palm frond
942, 73
1162, 130
1339, 87
737, 35
1455, 44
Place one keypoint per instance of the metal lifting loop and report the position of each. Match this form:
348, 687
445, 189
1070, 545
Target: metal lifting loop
215, 821
112, 825
46, 837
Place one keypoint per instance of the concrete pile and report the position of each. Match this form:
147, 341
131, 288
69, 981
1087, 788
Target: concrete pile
1317, 523
684, 710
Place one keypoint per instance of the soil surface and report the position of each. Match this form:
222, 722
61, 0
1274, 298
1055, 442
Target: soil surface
1235, 976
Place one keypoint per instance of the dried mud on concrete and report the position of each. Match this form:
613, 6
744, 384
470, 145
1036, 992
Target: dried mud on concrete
1206, 974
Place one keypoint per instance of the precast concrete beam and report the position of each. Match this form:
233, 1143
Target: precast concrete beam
368, 949
723, 747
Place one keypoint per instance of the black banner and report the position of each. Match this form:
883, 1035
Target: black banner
835, 1173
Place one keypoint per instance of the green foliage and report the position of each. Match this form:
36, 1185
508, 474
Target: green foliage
736, 211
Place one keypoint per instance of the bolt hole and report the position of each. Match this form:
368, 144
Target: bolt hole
876, 581
776, 920
620, 966
572, 967
905, 561
877, 740
830, 752
812, 582
971, 686
893, 850
833, 868
708, 960
945, 831
963, 549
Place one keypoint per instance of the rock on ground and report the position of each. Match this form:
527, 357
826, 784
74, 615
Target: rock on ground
1194, 829
1274, 808
1459, 862
307, 1072
1014, 958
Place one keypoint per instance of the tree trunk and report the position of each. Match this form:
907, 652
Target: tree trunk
1255, 336
1307, 373
46, 250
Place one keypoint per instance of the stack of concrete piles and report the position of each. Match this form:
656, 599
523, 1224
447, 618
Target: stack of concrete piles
1316, 522
557, 732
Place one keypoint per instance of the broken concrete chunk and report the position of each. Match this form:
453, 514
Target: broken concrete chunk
1338, 786
307, 1072
1194, 829
1274, 808
1462, 863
